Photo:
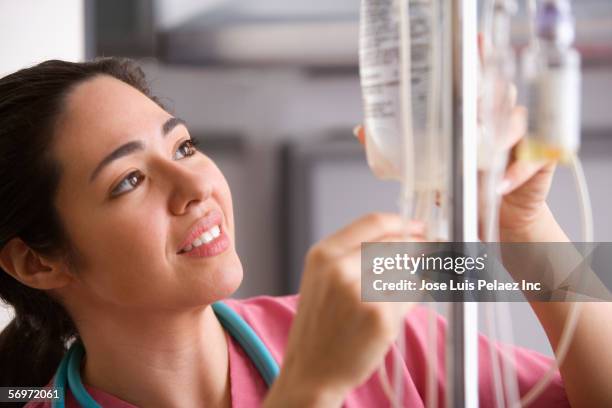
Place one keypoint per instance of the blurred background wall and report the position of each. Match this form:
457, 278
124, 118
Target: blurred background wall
271, 89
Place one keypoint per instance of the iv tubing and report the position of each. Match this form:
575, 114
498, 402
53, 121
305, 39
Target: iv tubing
505, 387
574, 313
434, 138
497, 379
508, 364
435, 221
432, 360
383, 376
408, 183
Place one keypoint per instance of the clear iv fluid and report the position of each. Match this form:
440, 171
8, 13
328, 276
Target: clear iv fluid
380, 69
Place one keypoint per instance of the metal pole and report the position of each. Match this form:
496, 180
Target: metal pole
462, 334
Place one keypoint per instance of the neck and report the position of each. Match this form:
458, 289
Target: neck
162, 359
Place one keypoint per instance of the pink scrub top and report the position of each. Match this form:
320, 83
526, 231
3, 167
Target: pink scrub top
271, 318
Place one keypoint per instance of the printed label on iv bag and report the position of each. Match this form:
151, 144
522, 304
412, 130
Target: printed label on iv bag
379, 65
380, 72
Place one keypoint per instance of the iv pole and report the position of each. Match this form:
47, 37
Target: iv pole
462, 332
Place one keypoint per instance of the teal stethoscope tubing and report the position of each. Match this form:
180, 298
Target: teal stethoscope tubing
250, 342
68, 372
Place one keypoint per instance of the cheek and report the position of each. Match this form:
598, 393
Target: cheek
131, 233
224, 197
120, 249
228, 210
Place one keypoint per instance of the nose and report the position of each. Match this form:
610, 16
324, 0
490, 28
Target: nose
187, 187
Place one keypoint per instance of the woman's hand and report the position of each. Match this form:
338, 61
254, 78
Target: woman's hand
337, 341
525, 185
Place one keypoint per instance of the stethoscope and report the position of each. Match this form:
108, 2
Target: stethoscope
68, 372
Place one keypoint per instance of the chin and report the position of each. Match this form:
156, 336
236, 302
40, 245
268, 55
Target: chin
230, 284
226, 280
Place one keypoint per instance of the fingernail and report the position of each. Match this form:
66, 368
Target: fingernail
504, 187
356, 130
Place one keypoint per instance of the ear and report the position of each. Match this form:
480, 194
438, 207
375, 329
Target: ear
32, 269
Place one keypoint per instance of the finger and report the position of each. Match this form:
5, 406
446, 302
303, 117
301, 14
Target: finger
352, 258
517, 128
519, 172
359, 132
370, 228
348, 264
481, 47
376, 227
399, 309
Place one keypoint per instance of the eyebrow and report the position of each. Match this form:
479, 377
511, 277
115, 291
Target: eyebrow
133, 146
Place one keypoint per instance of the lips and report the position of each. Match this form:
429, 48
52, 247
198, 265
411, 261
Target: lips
211, 219
213, 248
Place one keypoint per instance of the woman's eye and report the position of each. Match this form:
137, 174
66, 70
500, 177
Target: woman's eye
187, 148
128, 183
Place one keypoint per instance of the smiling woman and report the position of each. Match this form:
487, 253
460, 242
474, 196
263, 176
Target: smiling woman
109, 186
117, 234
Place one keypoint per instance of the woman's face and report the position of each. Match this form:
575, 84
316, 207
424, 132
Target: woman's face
133, 197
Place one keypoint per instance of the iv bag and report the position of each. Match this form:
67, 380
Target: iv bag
403, 80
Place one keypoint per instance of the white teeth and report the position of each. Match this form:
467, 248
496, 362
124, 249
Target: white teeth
205, 238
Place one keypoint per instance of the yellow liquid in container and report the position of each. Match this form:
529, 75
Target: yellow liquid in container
535, 150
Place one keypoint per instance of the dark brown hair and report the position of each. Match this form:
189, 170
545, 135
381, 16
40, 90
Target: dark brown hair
31, 101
